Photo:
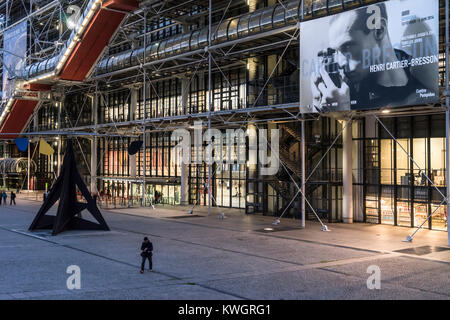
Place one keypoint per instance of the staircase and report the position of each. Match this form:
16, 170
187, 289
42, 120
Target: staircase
283, 190
280, 186
292, 132
282, 182
319, 187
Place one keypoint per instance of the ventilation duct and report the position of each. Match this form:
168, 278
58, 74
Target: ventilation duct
262, 20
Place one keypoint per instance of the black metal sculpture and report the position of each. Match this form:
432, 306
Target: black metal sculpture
64, 189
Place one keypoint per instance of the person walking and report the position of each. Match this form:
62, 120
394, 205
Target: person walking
146, 253
205, 186
4, 196
13, 198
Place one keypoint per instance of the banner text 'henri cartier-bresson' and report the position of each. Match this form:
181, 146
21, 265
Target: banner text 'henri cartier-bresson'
382, 55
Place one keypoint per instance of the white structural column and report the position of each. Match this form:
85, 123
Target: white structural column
184, 94
133, 105
144, 106
35, 129
133, 102
303, 172
4, 166
132, 158
447, 120
58, 169
94, 143
58, 163
184, 166
210, 101
252, 165
28, 167
184, 184
132, 162
303, 137
35, 120
447, 113
347, 176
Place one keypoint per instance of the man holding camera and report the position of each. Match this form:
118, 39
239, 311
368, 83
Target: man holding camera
348, 78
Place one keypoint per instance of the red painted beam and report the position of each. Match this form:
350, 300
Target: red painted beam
124, 5
95, 38
99, 31
17, 118
97, 35
37, 87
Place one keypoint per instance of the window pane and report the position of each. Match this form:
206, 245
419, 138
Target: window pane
420, 214
439, 217
403, 172
420, 157
387, 205
437, 151
387, 148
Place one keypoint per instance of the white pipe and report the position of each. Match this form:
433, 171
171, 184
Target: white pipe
447, 113
347, 201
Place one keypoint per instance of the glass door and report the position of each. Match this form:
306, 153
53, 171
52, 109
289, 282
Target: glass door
420, 151
404, 181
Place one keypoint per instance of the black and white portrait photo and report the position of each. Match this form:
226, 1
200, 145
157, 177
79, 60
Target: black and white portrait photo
382, 55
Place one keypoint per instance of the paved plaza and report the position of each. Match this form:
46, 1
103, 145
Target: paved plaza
203, 257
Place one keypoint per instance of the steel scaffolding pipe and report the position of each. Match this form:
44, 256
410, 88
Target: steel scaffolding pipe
268, 19
260, 23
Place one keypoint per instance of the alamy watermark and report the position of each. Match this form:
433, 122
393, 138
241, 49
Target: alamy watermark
72, 20
74, 280
374, 280
250, 147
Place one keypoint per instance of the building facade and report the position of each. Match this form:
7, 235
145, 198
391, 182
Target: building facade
159, 71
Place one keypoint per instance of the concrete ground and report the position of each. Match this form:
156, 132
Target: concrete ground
203, 257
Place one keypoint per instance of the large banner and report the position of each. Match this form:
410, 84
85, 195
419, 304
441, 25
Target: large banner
380, 56
14, 54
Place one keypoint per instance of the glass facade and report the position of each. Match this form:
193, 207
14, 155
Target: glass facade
391, 187
118, 171
114, 106
405, 178
388, 185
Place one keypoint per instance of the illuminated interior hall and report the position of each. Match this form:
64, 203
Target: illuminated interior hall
106, 73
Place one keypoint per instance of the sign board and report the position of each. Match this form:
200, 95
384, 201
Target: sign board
380, 56
14, 54
32, 95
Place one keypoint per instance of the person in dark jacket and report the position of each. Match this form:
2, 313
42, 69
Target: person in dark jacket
146, 248
13, 198
4, 196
